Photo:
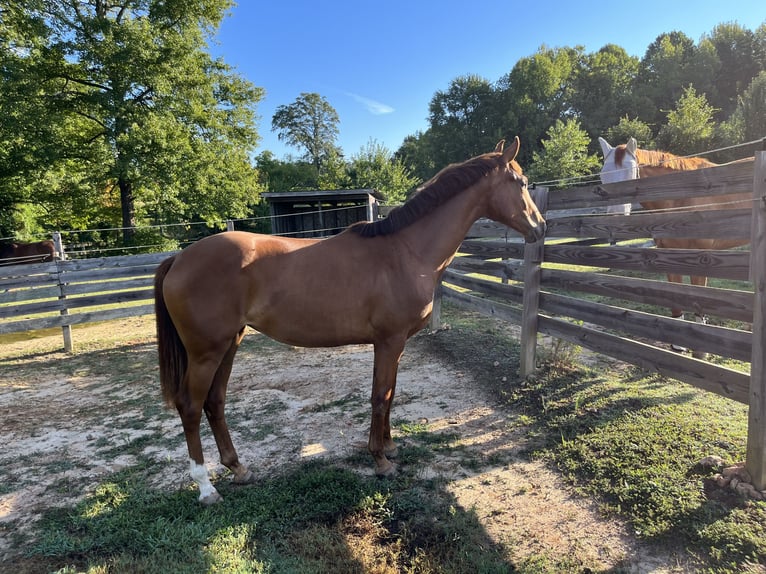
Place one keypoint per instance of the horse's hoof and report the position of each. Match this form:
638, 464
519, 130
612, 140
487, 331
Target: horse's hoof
391, 451
246, 478
211, 499
386, 471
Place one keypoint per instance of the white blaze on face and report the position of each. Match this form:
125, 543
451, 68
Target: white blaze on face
611, 172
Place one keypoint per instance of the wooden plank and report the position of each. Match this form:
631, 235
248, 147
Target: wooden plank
26, 282
732, 343
76, 318
29, 294
512, 293
473, 265
493, 249
756, 427
722, 180
485, 306
104, 274
701, 374
108, 299
727, 303
103, 286
36, 308
720, 224
722, 264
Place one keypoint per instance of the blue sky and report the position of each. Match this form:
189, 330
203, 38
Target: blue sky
379, 63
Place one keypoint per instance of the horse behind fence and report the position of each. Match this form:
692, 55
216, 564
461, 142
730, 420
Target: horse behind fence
17, 253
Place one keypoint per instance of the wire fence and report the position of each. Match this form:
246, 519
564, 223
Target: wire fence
105, 241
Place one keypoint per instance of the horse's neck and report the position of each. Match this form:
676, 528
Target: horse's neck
436, 237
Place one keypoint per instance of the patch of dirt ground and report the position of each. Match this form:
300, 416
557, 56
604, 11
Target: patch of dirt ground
64, 430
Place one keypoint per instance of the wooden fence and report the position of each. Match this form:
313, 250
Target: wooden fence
530, 284
68, 292
577, 259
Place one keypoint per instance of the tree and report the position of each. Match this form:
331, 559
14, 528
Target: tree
564, 155
374, 167
278, 175
735, 48
690, 127
626, 129
128, 102
462, 120
752, 109
415, 153
602, 89
311, 123
671, 63
536, 93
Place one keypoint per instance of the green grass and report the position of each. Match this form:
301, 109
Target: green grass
632, 442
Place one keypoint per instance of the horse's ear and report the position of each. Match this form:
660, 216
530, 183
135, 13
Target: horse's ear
605, 147
510, 154
499, 146
632, 145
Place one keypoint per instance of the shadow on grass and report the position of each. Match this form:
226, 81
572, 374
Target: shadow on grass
316, 518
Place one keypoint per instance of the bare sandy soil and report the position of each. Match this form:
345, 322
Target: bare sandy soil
63, 430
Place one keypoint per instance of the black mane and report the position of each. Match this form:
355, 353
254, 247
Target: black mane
438, 190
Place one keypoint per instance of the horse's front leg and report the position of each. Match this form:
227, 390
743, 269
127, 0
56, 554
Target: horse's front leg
387, 356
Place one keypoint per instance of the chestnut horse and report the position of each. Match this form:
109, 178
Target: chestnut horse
19, 253
627, 161
371, 284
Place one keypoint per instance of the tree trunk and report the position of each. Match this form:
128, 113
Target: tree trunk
127, 203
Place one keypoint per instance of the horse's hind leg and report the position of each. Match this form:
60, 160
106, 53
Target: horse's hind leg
214, 410
189, 403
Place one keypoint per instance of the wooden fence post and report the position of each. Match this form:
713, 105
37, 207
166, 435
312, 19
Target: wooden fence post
229, 225
66, 330
533, 258
436, 310
755, 463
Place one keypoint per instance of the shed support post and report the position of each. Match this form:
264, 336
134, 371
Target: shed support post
755, 463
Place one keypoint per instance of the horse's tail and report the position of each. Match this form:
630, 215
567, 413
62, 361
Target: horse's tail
172, 353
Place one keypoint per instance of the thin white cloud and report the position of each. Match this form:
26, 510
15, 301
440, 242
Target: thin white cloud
375, 108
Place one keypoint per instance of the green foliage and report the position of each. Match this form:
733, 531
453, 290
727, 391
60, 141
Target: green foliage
122, 114
461, 119
690, 126
565, 155
374, 167
309, 123
751, 110
626, 129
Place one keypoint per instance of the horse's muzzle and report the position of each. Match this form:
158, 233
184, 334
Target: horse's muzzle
536, 232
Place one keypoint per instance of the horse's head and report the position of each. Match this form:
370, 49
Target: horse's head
520, 213
620, 163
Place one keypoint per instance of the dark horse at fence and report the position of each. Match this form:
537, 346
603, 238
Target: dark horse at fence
16, 253
371, 284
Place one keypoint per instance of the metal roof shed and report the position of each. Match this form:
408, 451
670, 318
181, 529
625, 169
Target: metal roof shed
320, 213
